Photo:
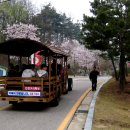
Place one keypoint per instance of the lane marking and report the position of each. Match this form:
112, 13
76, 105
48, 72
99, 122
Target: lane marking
5, 107
65, 123
71, 113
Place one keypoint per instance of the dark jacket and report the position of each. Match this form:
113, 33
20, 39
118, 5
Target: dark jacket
93, 75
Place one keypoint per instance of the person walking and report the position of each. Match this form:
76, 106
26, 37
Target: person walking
93, 77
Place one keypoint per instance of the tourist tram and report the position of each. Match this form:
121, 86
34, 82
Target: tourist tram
38, 89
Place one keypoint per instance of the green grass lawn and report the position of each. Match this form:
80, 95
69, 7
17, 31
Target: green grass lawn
112, 111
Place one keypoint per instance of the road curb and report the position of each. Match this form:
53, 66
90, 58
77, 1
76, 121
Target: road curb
89, 120
65, 123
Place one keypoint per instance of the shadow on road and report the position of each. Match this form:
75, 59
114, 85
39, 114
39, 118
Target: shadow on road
29, 107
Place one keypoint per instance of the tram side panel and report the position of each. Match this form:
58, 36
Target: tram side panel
37, 90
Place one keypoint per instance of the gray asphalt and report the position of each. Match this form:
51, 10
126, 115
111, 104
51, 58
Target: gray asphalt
49, 118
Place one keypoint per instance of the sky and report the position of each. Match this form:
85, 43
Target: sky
72, 8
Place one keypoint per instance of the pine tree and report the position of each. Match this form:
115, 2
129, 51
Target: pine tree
108, 30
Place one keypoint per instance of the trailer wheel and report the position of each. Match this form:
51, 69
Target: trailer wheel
14, 103
70, 84
55, 101
66, 90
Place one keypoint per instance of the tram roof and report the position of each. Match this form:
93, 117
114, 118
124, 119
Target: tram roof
26, 47
57, 50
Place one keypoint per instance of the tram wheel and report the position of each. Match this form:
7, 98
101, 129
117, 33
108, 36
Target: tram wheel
70, 84
14, 103
55, 101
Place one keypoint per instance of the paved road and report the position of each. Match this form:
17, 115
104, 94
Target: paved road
49, 118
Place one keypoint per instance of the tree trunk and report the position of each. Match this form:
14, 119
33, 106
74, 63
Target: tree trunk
122, 68
126, 70
114, 67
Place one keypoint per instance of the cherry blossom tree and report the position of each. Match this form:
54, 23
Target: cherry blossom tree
21, 30
80, 54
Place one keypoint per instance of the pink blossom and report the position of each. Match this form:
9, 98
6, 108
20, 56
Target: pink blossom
21, 31
79, 53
